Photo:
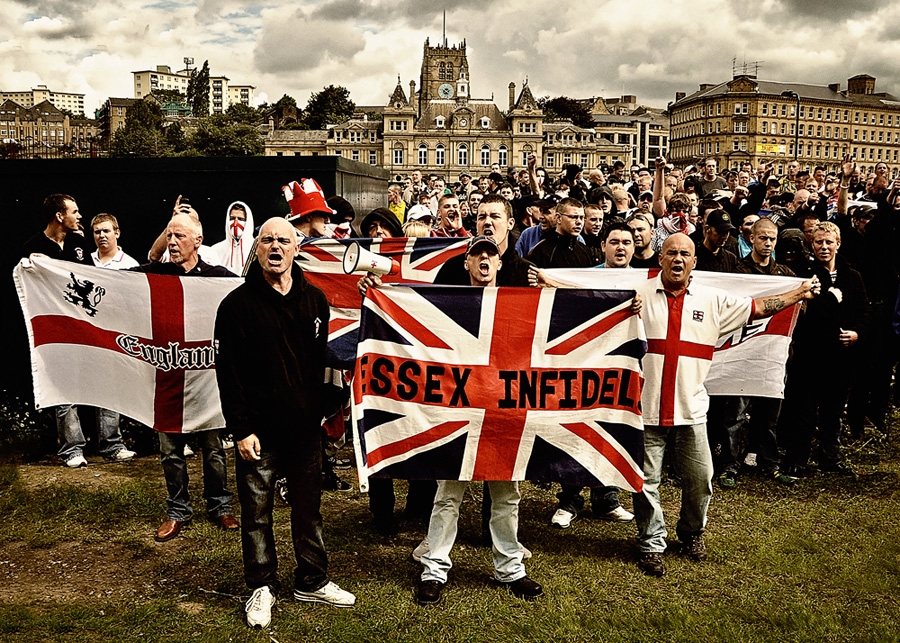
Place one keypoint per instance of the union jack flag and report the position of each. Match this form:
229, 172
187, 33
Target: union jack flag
500, 384
420, 260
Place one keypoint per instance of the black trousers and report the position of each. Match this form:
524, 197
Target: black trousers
300, 461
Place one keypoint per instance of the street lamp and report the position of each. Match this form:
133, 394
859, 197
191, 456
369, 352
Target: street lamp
795, 95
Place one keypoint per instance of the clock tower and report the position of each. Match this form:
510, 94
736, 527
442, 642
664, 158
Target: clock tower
443, 67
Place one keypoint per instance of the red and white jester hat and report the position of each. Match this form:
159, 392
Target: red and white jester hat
305, 198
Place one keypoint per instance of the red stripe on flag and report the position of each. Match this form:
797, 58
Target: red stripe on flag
405, 320
167, 317
601, 444
413, 442
59, 329
335, 325
590, 333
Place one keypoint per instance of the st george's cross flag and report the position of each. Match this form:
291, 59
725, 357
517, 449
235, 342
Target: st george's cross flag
748, 362
136, 343
420, 259
499, 384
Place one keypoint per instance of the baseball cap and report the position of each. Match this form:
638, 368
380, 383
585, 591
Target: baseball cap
476, 243
719, 220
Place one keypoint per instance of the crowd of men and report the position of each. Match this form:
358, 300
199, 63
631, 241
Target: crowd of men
836, 231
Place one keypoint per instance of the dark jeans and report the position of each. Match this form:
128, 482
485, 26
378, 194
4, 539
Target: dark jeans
603, 499
215, 474
419, 499
814, 397
301, 464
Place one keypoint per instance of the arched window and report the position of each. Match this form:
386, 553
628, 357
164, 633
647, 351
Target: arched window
423, 154
485, 155
503, 156
439, 158
462, 155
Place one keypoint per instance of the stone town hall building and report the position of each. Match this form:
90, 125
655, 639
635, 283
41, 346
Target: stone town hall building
442, 128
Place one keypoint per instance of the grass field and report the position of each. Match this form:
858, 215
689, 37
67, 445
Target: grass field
816, 562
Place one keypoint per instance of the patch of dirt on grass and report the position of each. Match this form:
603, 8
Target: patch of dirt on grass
72, 571
99, 474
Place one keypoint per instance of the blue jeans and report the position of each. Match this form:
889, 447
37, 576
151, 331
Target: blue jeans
301, 464
504, 526
71, 437
215, 474
693, 461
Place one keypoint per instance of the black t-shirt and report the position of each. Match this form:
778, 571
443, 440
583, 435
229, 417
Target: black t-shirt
513, 271
74, 248
652, 262
168, 268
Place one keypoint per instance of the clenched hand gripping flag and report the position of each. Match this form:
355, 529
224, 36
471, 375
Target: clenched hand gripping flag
499, 384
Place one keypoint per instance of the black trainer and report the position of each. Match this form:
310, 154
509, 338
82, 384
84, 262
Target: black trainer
525, 588
429, 592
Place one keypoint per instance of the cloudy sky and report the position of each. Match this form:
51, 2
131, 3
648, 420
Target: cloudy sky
650, 48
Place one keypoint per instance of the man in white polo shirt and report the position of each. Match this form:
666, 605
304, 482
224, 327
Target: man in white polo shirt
105, 229
683, 321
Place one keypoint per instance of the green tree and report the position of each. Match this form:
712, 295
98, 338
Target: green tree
219, 136
170, 96
143, 134
330, 106
240, 113
175, 138
565, 108
198, 91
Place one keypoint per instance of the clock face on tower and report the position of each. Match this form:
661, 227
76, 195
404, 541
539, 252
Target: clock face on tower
446, 90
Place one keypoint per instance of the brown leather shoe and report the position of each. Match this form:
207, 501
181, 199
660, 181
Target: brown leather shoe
227, 522
168, 530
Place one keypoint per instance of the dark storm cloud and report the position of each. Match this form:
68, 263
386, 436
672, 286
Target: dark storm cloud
829, 11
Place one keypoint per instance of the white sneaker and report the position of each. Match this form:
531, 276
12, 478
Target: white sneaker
420, 550
619, 514
259, 607
123, 455
330, 594
750, 460
76, 461
526, 553
188, 451
562, 519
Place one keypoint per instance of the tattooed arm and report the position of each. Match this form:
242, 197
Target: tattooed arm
768, 306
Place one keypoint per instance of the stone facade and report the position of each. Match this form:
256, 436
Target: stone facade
756, 121
443, 129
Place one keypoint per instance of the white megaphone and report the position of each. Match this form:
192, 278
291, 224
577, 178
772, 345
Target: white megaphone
358, 259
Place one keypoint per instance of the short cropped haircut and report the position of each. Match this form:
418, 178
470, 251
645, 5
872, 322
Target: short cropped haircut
496, 198
55, 203
444, 197
568, 202
103, 217
827, 226
763, 222
617, 225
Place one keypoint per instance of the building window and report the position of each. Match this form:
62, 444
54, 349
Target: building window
718, 109
485, 155
783, 129
584, 160
765, 109
801, 129
828, 114
373, 157
485, 123
439, 155
372, 135
802, 111
423, 154
439, 122
551, 160
355, 136
397, 157
337, 136
736, 146
765, 127
354, 155
702, 111
503, 156
784, 111
462, 155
